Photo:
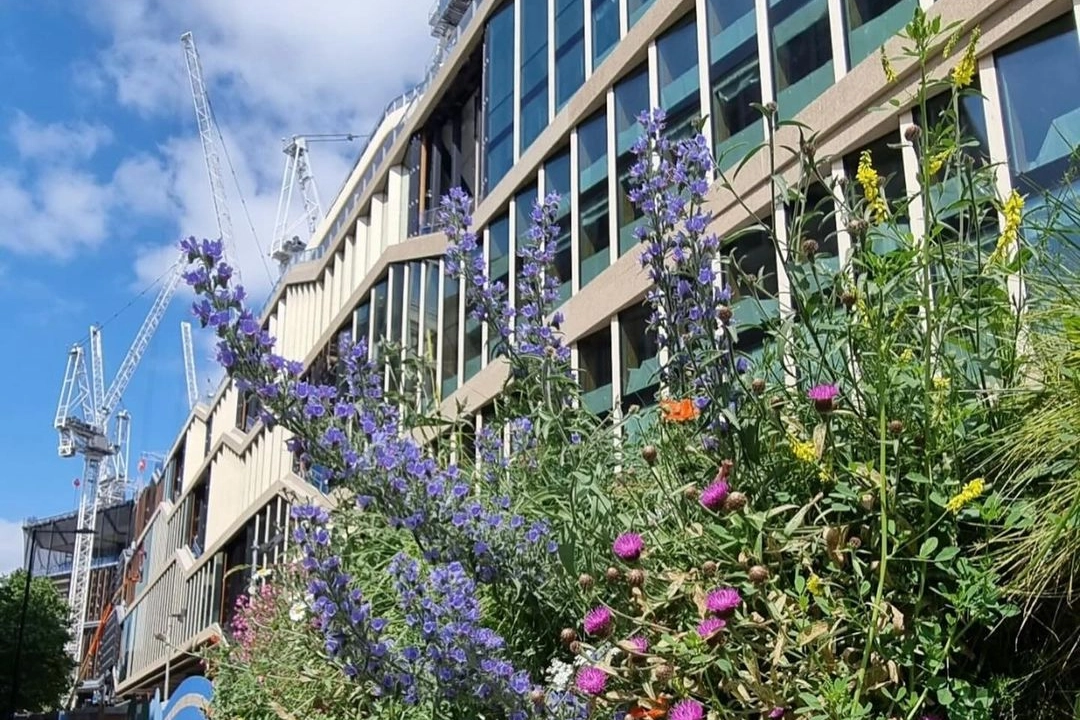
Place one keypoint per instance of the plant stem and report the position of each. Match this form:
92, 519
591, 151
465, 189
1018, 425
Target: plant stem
875, 611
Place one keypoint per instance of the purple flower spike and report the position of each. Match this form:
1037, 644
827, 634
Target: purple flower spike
628, 547
591, 680
713, 497
722, 601
824, 397
598, 621
687, 710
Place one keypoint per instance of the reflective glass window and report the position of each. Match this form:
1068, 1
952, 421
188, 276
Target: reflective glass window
593, 230
635, 9
871, 22
677, 72
430, 331
523, 207
802, 52
750, 265
605, 28
534, 69
378, 316
397, 302
631, 99
362, 323
888, 162
639, 355
412, 314
451, 322
498, 238
499, 96
594, 370
569, 49
557, 180
734, 78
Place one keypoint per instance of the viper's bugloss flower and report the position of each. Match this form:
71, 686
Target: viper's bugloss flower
628, 546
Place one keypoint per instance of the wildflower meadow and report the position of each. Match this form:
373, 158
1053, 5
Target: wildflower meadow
855, 501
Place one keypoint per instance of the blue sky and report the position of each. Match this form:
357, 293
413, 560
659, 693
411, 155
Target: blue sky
101, 173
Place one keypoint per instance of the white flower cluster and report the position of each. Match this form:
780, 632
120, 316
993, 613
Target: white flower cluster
559, 674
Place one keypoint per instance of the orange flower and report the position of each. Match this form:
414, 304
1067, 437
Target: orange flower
679, 410
653, 710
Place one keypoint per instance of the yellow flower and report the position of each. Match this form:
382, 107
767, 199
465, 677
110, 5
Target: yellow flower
813, 584
886, 66
969, 492
937, 161
950, 44
1013, 210
871, 184
941, 382
964, 72
803, 450
907, 356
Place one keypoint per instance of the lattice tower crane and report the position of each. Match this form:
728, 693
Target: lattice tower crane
298, 176
208, 132
189, 365
84, 415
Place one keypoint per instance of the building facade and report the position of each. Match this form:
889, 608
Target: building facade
533, 96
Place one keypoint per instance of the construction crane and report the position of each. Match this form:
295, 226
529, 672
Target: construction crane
189, 365
84, 416
287, 243
208, 131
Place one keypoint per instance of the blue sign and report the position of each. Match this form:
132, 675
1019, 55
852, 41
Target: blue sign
189, 702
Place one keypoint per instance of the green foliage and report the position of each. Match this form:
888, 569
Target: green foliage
44, 668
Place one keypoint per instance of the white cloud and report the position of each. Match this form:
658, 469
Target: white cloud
59, 213
11, 546
57, 143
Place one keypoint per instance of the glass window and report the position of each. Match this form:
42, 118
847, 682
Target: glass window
412, 316
569, 49
557, 180
631, 99
814, 219
640, 365
970, 114
734, 78
593, 231
378, 316
594, 371
534, 70
430, 331
498, 263
677, 72
451, 320
889, 164
362, 323
871, 22
635, 9
499, 96
605, 28
1042, 119
802, 52
523, 207
751, 274
397, 302
474, 346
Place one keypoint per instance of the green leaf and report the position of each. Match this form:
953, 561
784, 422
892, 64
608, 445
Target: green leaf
928, 547
947, 554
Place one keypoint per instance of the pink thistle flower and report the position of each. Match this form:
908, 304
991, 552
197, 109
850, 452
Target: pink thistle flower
640, 644
687, 710
824, 397
591, 680
777, 712
709, 627
722, 601
598, 621
628, 546
713, 497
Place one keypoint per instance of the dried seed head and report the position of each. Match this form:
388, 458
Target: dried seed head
575, 647
896, 427
568, 635
854, 542
664, 673
691, 492
537, 696
868, 501
809, 248
635, 578
585, 581
912, 132
708, 568
758, 386
849, 299
724, 313
735, 501
832, 536
612, 574
758, 574
648, 454
858, 227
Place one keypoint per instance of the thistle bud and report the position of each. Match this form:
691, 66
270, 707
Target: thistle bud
648, 454
575, 647
724, 314
758, 574
848, 299
635, 578
858, 227
612, 574
568, 636
537, 696
708, 568
912, 132
896, 427
664, 673
585, 581
854, 542
690, 492
735, 501
758, 386
809, 248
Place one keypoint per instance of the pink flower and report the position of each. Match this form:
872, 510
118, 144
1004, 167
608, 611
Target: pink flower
591, 681
687, 710
776, 712
598, 621
708, 627
713, 497
628, 546
824, 397
723, 600
640, 644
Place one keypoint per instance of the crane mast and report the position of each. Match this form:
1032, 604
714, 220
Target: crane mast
189, 365
204, 116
